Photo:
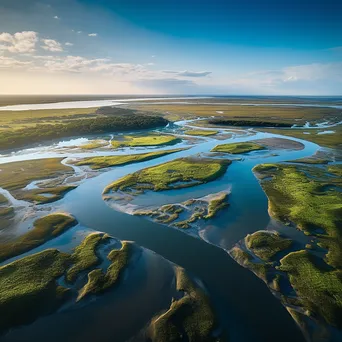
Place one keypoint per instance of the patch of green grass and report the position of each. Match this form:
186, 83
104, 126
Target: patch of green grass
216, 204
237, 148
296, 197
246, 260
5, 211
92, 144
84, 256
186, 172
103, 120
150, 140
319, 287
190, 318
29, 288
44, 195
3, 199
17, 175
335, 169
235, 112
108, 161
266, 245
318, 161
200, 132
44, 229
99, 281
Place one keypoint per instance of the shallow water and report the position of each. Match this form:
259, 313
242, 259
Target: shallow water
248, 310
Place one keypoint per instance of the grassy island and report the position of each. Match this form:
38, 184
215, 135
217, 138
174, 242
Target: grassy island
200, 132
176, 174
44, 229
265, 245
306, 196
190, 318
92, 144
107, 161
246, 260
194, 210
237, 148
84, 256
17, 175
318, 286
150, 140
99, 281
29, 288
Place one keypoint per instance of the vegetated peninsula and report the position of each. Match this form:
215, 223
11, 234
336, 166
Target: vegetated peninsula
176, 174
115, 120
189, 318
247, 123
44, 229
30, 286
149, 140
237, 148
310, 199
16, 176
107, 161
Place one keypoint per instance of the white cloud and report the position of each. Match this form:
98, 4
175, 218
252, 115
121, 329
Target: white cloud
52, 45
9, 62
56, 17
92, 34
187, 73
20, 42
69, 44
79, 32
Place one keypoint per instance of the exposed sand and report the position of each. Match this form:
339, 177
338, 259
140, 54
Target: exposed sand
280, 144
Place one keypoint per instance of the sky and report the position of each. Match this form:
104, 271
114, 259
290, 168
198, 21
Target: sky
199, 47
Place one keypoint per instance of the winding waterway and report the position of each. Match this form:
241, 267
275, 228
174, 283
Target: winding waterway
247, 309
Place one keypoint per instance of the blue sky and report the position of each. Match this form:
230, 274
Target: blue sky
176, 47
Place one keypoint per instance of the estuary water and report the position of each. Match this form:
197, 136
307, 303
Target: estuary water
247, 309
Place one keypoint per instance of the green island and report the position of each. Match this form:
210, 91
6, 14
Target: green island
237, 148
245, 259
149, 140
23, 128
44, 229
176, 174
92, 144
29, 287
195, 209
15, 176
189, 318
317, 161
318, 286
84, 257
98, 281
107, 161
309, 198
44, 195
200, 132
265, 245
248, 123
